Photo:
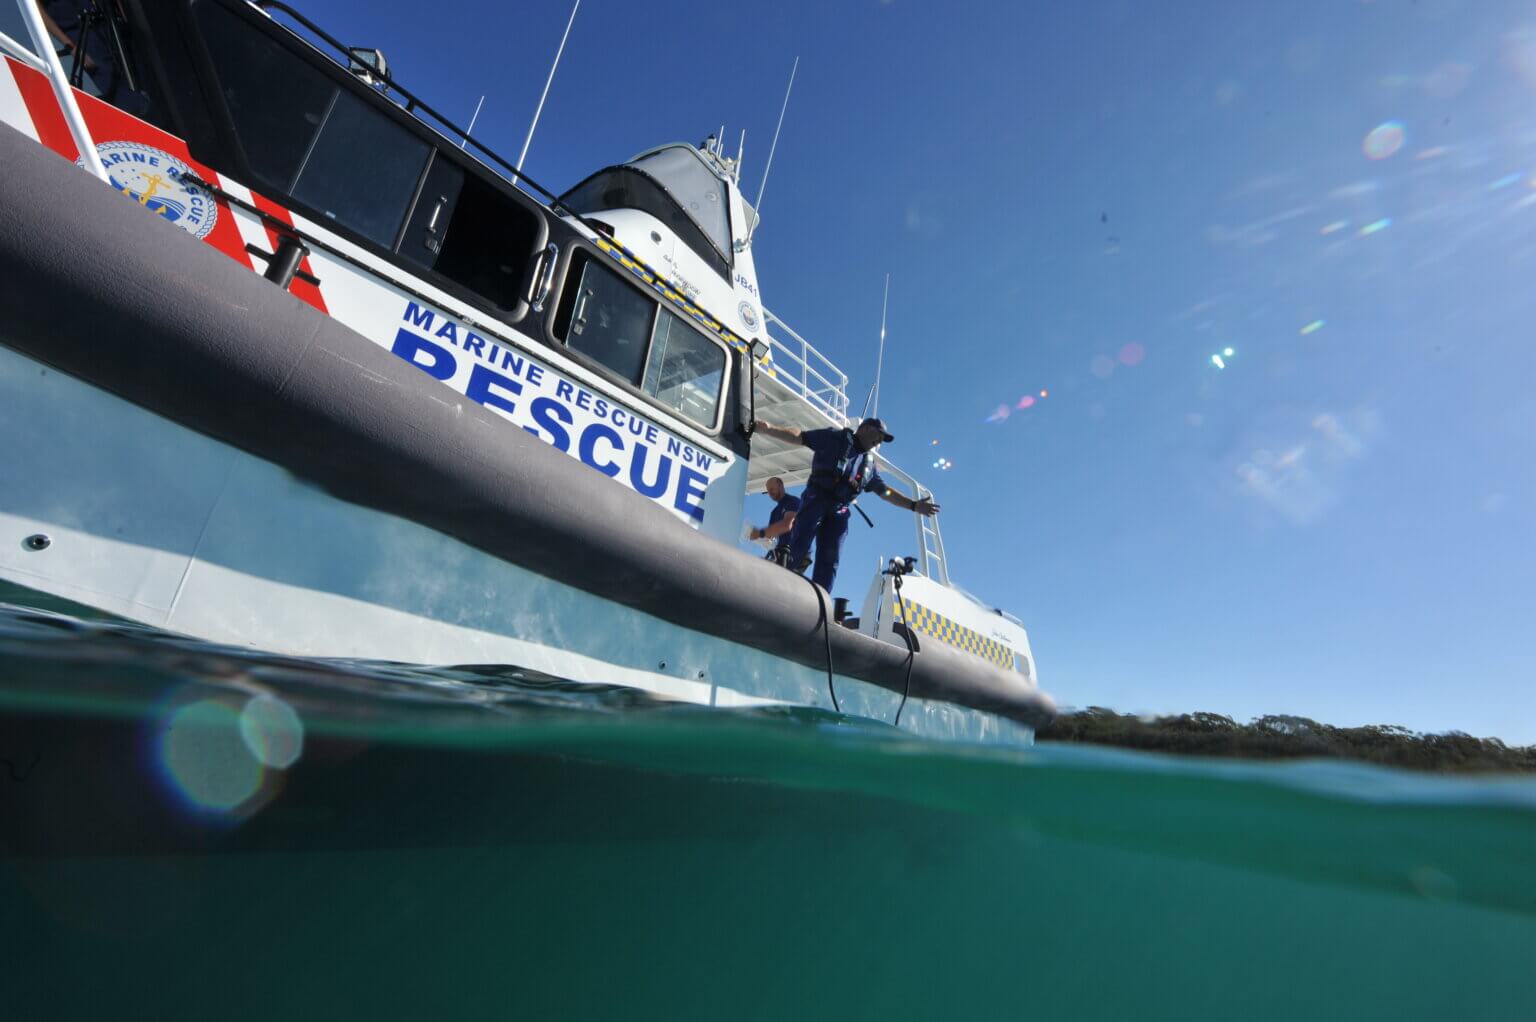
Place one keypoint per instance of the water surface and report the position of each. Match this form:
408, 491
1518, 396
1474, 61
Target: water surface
196, 831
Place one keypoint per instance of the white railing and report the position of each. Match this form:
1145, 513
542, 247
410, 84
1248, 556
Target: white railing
42, 57
930, 542
806, 371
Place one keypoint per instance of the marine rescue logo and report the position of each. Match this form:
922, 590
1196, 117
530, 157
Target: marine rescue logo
748, 315
154, 179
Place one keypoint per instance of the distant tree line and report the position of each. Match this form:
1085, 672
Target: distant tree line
1286, 737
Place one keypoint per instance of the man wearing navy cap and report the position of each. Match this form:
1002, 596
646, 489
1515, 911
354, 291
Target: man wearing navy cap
842, 467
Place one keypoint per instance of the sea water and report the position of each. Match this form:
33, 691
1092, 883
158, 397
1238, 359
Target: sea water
194, 831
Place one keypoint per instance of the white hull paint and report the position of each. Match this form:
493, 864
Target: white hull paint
162, 525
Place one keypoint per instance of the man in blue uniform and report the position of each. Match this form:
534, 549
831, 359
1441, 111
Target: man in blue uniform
842, 467
780, 520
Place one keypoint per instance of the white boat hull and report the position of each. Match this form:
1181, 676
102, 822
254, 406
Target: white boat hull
160, 524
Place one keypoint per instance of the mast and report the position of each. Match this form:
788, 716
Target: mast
880, 359
757, 207
874, 391
547, 82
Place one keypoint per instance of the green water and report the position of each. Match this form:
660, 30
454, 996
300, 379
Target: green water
486, 843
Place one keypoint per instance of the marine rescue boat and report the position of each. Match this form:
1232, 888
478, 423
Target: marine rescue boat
415, 407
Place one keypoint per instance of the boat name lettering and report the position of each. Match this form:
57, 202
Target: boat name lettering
595, 429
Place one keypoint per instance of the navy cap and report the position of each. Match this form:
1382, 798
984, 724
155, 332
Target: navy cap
878, 425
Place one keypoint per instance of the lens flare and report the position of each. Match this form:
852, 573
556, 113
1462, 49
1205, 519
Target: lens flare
1131, 354
1045, 393
943, 464
1025, 402
203, 753
1102, 366
223, 755
1376, 225
1313, 327
1228, 352
272, 731
1384, 140
1334, 228
1218, 362
1505, 181
999, 415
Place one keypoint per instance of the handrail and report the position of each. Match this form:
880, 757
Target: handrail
830, 395
926, 556
22, 53
32, 16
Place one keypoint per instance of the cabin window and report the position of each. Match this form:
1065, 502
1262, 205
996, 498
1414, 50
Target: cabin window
617, 326
610, 323
487, 241
306, 137
685, 370
361, 170
309, 136
627, 188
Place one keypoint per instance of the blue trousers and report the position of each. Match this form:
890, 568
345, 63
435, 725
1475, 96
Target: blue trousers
824, 519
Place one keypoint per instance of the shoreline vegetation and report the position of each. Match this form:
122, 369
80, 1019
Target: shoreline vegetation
1287, 737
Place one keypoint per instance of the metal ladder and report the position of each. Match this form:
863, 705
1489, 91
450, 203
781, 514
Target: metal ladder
931, 544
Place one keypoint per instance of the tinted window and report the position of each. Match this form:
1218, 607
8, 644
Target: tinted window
685, 370
276, 124
488, 242
305, 137
610, 322
362, 170
626, 188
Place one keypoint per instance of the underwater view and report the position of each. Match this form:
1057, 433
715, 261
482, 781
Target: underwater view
195, 831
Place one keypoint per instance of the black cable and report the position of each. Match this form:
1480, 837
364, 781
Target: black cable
826, 631
906, 633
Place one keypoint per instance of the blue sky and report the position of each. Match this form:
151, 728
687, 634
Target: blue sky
1092, 199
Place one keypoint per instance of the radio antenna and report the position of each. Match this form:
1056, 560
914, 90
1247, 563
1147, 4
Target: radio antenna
874, 392
547, 82
465, 140
757, 207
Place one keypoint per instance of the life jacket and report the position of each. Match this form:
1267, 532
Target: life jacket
846, 481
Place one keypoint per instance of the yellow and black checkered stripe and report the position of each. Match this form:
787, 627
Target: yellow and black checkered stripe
957, 635
662, 286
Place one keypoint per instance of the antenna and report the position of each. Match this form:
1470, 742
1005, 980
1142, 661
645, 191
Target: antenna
741, 147
757, 207
874, 392
547, 82
465, 140
720, 142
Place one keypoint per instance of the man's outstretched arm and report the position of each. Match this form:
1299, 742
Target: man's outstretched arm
777, 432
925, 506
